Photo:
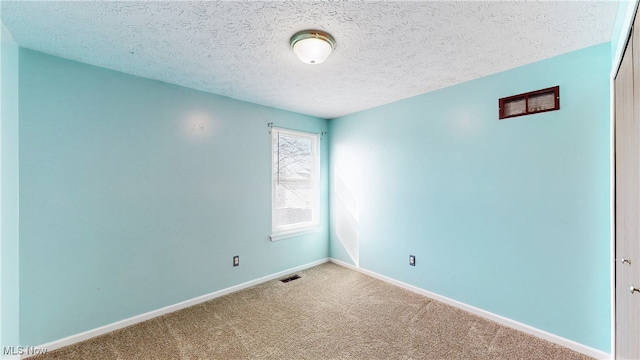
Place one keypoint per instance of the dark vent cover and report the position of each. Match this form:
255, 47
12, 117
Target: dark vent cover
530, 103
290, 278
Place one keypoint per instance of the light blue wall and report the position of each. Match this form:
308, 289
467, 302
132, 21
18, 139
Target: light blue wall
135, 194
508, 216
9, 298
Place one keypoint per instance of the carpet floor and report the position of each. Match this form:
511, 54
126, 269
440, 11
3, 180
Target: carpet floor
331, 312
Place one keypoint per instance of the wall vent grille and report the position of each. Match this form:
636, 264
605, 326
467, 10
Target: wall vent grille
529, 103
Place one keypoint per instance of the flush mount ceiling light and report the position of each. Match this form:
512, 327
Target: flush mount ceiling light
312, 46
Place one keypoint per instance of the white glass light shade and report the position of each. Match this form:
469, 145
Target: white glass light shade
312, 50
312, 46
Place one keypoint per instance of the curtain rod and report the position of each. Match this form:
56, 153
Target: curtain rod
271, 126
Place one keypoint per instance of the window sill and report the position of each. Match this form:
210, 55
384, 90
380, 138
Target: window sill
294, 233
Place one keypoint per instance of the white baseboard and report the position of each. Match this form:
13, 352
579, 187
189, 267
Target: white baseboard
589, 351
167, 309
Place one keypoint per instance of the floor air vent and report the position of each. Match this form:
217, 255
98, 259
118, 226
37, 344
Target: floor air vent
290, 278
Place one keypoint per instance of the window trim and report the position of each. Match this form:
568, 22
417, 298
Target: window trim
299, 229
294, 233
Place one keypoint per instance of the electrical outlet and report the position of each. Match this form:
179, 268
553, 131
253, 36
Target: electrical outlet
236, 260
412, 260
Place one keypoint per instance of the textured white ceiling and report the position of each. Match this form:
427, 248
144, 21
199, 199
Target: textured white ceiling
386, 51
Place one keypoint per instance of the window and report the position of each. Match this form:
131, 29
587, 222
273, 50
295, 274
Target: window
296, 182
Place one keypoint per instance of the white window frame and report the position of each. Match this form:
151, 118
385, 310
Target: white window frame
282, 232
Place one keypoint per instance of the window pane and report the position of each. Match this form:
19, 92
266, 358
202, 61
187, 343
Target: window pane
293, 204
295, 182
294, 158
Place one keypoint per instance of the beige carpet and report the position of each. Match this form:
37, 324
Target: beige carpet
331, 312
